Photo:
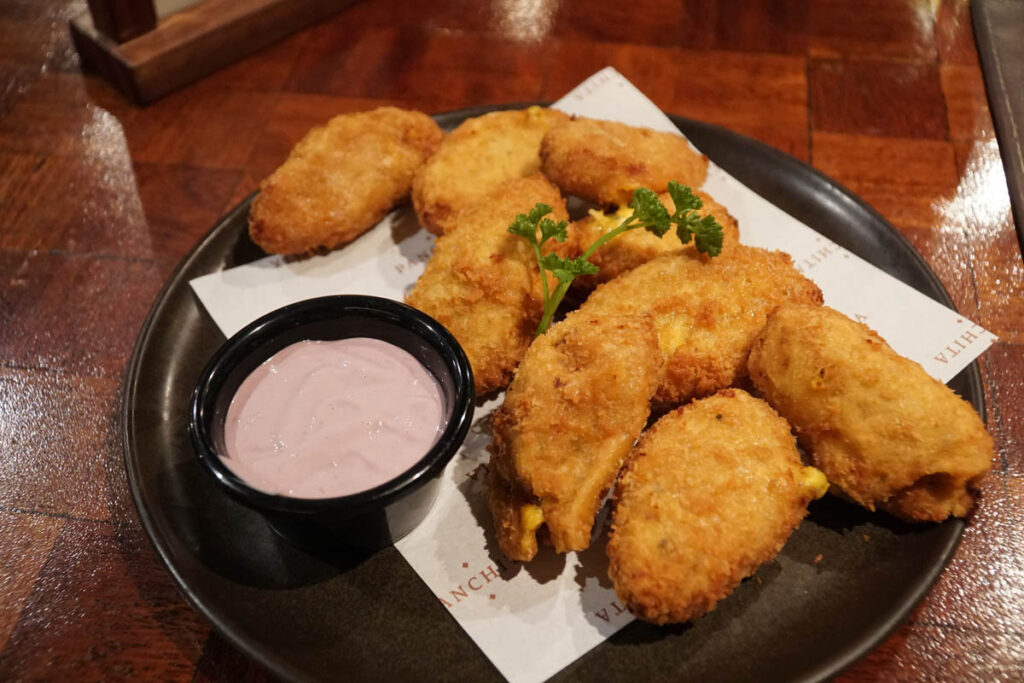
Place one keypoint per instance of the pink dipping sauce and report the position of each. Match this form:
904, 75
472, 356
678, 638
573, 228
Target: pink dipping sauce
320, 419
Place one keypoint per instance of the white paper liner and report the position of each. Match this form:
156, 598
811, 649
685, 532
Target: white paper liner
533, 620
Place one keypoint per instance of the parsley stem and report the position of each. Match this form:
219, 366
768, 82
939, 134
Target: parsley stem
551, 305
599, 242
543, 275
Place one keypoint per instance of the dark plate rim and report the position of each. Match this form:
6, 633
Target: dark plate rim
812, 177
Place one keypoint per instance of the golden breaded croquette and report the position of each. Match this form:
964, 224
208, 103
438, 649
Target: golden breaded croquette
341, 179
635, 247
885, 433
706, 313
604, 161
483, 283
711, 492
577, 403
480, 154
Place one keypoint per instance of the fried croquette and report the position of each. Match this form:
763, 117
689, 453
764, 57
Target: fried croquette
632, 248
341, 179
577, 403
480, 154
604, 161
706, 313
883, 431
483, 283
711, 492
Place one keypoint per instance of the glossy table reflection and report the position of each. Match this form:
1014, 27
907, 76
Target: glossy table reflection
99, 200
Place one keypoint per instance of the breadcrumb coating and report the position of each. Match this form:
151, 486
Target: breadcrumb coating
483, 283
706, 313
887, 434
341, 179
604, 161
577, 404
711, 492
480, 154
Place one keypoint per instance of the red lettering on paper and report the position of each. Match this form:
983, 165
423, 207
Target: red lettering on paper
603, 612
818, 257
474, 583
589, 87
959, 344
490, 573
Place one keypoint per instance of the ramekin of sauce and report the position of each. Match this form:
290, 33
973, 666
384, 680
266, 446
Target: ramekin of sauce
334, 418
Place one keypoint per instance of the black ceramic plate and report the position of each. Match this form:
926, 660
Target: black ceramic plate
331, 617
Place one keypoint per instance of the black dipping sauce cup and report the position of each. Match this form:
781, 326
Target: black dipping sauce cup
369, 519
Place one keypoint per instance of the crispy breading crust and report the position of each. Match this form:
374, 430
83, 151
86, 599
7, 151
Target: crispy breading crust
509, 503
604, 161
480, 154
577, 404
711, 492
341, 179
635, 247
706, 313
883, 431
483, 283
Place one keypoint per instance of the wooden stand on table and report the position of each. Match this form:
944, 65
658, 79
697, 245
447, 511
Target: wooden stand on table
189, 44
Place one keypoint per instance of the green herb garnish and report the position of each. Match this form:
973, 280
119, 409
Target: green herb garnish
648, 213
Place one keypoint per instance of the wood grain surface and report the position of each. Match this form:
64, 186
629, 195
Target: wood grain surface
100, 199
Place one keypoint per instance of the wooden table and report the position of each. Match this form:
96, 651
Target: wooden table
99, 200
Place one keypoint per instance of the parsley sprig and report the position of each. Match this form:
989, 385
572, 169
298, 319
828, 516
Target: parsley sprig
648, 213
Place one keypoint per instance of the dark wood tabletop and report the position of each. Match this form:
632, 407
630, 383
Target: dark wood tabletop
99, 199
